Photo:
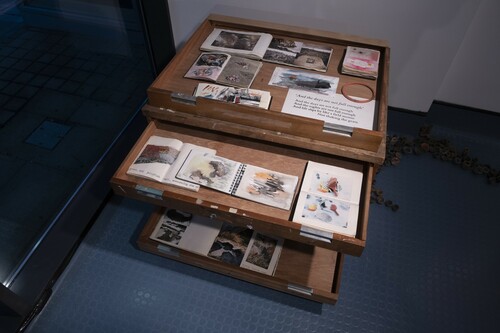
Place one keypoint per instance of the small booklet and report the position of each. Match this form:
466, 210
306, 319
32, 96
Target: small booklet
161, 158
360, 61
298, 54
242, 43
244, 96
329, 199
224, 69
242, 180
221, 241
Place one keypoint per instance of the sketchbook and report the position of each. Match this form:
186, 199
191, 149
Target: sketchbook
242, 180
298, 54
161, 158
242, 43
224, 69
243, 96
329, 199
231, 244
361, 62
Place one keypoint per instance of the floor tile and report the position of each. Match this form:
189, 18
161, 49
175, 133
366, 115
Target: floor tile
48, 134
45, 76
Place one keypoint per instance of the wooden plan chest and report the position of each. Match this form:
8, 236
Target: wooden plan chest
309, 267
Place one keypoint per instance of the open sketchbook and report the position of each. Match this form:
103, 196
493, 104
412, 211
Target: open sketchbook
243, 96
239, 179
298, 54
224, 69
161, 158
329, 199
242, 43
221, 241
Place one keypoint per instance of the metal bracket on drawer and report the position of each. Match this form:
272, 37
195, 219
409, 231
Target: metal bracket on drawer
337, 129
183, 98
168, 250
149, 192
300, 289
321, 235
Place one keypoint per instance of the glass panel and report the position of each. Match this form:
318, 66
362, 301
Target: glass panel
72, 74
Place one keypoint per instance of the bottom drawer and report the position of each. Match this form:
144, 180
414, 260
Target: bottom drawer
302, 270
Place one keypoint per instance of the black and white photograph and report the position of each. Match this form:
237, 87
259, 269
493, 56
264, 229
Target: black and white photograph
263, 253
172, 226
244, 43
298, 54
193, 233
231, 244
250, 97
235, 40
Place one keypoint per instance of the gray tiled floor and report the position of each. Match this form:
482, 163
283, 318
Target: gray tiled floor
432, 266
63, 98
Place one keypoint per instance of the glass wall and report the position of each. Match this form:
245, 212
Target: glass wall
73, 73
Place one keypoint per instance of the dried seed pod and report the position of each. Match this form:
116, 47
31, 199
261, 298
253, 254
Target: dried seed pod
477, 170
425, 146
407, 149
395, 160
467, 164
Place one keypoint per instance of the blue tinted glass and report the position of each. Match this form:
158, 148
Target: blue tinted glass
72, 74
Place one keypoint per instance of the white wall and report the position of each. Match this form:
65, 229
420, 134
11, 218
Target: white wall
424, 35
472, 79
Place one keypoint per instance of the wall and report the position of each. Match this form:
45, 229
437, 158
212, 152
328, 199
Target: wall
473, 74
424, 35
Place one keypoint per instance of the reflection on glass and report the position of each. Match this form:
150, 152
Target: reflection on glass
72, 74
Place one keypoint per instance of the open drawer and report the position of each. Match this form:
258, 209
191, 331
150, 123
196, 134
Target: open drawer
172, 91
302, 270
260, 217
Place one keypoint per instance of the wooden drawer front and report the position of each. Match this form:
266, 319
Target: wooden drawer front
228, 208
303, 270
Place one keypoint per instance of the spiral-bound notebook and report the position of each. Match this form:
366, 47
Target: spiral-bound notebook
242, 180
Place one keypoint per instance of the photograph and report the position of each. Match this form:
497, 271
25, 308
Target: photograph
212, 59
250, 44
313, 58
250, 97
297, 54
283, 44
262, 250
172, 227
231, 244
234, 40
